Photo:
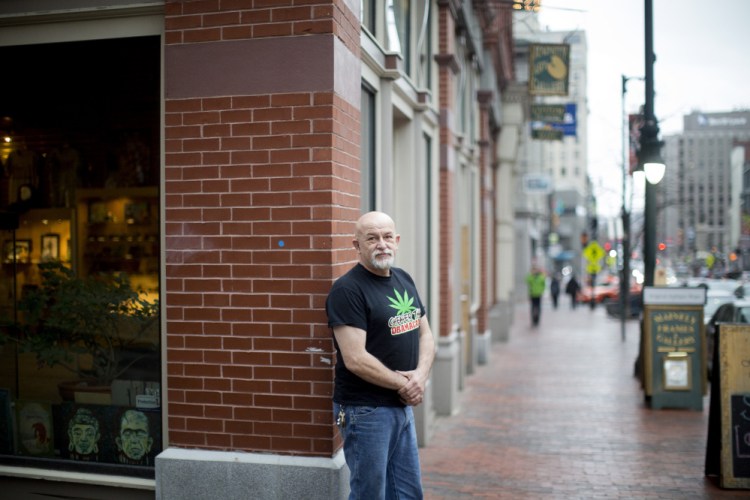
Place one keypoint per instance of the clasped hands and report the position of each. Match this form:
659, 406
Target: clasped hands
412, 392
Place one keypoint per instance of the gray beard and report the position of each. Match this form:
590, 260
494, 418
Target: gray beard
383, 265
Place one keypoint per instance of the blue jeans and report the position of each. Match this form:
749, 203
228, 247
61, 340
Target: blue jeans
380, 448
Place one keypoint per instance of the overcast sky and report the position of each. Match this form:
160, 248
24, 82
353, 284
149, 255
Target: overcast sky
702, 63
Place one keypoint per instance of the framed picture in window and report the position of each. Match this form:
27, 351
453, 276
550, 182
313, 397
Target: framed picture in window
50, 247
35, 436
97, 212
137, 213
20, 251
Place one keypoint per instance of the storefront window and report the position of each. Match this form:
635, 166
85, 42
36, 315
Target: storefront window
80, 365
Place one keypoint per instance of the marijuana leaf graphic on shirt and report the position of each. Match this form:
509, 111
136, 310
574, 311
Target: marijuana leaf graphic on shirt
402, 305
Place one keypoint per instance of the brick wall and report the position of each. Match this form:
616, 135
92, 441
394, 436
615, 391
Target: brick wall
448, 66
261, 188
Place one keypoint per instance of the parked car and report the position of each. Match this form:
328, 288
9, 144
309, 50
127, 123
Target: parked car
726, 285
743, 291
714, 300
736, 311
606, 289
614, 308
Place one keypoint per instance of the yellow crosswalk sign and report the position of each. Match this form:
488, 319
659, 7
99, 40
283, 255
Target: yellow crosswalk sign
593, 268
594, 252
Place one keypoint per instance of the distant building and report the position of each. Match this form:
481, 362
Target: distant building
701, 198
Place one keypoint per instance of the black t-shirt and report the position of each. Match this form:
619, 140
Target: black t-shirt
389, 310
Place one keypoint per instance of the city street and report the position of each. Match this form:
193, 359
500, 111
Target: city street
558, 413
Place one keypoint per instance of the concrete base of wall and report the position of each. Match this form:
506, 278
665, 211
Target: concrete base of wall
463, 347
500, 319
446, 375
210, 475
471, 348
482, 341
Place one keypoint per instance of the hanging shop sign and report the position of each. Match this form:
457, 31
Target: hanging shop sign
553, 121
569, 123
547, 112
549, 69
543, 118
635, 122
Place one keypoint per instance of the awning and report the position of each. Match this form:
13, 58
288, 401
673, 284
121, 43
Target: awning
564, 255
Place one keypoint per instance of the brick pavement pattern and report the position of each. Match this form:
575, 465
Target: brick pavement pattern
558, 414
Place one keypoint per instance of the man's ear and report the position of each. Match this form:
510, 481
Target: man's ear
355, 244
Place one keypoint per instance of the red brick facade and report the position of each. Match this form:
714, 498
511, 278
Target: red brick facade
448, 67
260, 188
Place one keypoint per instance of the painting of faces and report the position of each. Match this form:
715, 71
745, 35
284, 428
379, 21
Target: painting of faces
110, 434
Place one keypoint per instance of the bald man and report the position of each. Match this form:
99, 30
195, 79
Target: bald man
385, 352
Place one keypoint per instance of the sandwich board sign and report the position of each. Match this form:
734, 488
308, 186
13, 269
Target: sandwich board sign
728, 443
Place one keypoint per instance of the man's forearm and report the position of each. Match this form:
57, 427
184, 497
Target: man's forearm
369, 368
426, 349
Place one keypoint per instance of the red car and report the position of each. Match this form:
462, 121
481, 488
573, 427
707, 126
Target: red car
607, 288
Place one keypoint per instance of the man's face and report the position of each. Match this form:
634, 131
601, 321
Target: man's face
134, 439
84, 438
377, 243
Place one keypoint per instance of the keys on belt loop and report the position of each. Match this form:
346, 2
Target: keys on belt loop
341, 418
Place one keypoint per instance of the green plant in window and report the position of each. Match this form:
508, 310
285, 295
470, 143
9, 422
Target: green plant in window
97, 327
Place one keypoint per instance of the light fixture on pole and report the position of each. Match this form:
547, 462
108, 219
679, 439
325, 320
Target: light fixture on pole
654, 171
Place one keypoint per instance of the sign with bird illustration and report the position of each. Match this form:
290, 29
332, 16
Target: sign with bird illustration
548, 69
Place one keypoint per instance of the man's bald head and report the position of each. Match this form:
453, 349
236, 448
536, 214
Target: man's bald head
376, 241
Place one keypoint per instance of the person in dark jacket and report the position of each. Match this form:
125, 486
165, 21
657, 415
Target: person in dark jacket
554, 289
572, 289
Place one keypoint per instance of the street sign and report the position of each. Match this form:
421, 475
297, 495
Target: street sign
593, 268
594, 252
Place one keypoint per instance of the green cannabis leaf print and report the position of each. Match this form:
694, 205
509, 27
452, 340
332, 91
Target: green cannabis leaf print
402, 305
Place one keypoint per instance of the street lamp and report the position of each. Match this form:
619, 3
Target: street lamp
625, 275
654, 172
649, 154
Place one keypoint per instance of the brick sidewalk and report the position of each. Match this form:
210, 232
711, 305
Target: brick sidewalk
557, 413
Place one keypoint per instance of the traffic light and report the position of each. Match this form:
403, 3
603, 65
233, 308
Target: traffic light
662, 247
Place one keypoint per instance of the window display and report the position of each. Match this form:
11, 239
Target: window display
80, 355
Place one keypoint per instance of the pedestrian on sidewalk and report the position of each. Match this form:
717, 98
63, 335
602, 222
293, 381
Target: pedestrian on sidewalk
572, 289
554, 289
385, 351
536, 283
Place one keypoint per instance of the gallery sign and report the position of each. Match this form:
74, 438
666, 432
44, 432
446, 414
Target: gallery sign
674, 346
